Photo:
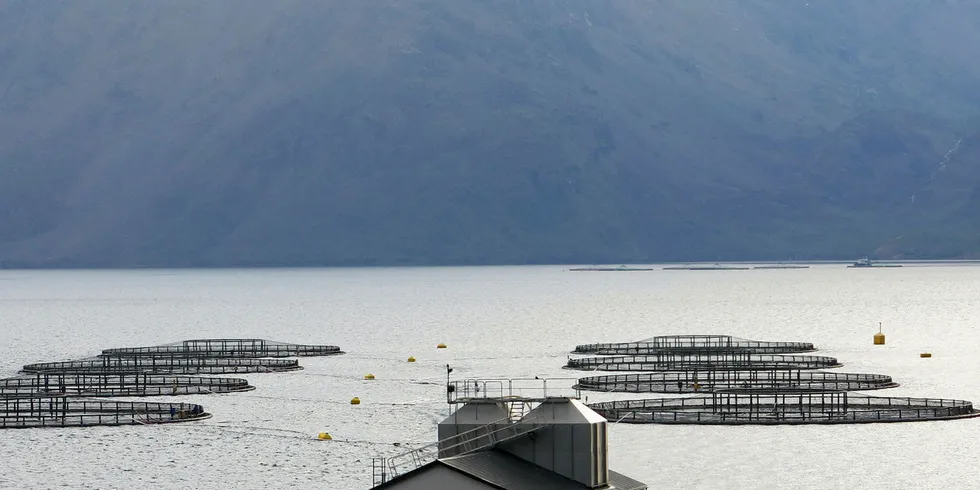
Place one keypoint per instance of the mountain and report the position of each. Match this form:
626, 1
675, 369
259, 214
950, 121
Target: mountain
249, 132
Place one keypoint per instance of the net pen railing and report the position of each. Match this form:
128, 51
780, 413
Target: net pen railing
643, 347
39, 411
703, 361
245, 348
737, 408
165, 365
692, 381
143, 384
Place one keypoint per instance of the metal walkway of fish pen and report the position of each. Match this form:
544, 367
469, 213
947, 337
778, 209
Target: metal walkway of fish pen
164, 365
679, 344
21, 412
782, 408
699, 381
247, 348
701, 361
89, 385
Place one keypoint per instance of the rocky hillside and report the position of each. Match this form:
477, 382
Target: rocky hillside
249, 132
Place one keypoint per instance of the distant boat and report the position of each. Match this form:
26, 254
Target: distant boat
866, 262
622, 268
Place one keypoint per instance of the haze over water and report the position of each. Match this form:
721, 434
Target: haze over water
497, 322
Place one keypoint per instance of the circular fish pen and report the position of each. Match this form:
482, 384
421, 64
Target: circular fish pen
247, 348
777, 408
698, 361
21, 412
164, 365
697, 381
88, 385
680, 344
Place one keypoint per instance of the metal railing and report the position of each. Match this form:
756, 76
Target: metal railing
691, 381
701, 361
694, 343
531, 389
478, 439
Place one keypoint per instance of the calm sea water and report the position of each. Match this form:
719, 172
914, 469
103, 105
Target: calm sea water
498, 322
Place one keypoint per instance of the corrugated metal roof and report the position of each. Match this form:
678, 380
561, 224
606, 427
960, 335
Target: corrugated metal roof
619, 481
504, 470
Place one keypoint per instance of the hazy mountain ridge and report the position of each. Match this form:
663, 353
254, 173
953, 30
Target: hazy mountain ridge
407, 132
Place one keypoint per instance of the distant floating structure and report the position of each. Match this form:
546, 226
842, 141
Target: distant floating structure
776, 408
701, 361
694, 381
716, 267
781, 266
866, 263
694, 344
622, 268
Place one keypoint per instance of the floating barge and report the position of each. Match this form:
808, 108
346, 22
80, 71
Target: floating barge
694, 344
701, 362
793, 380
778, 408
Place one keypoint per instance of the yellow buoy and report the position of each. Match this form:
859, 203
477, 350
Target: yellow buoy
441, 346
369, 376
411, 358
355, 401
926, 354
324, 436
879, 337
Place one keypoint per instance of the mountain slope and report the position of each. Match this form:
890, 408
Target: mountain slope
412, 131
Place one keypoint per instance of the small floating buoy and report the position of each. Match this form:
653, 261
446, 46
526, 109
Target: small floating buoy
355, 401
441, 346
324, 436
369, 376
925, 354
411, 358
879, 337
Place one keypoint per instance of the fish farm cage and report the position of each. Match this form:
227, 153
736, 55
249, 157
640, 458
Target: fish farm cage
782, 408
164, 365
247, 348
59, 394
21, 412
680, 344
89, 385
695, 381
701, 361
